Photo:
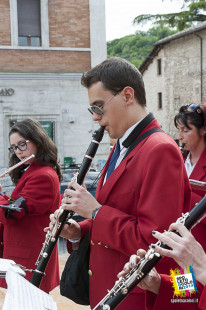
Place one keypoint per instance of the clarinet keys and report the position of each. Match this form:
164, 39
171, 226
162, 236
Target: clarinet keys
124, 291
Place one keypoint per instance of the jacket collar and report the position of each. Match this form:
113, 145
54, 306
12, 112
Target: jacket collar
138, 129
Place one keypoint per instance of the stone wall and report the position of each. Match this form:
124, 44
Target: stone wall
180, 81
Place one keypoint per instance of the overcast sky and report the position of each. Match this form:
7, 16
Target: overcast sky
120, 14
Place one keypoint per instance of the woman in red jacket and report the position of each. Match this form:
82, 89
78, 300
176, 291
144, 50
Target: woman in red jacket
191, 125
38, 183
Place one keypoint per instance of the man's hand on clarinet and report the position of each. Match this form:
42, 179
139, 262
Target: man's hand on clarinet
70, 230
79, 200
152, 280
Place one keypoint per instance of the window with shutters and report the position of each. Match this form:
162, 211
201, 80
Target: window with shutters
29, 22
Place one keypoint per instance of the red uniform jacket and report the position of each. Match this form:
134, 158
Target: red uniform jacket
199, 173
23, 238
1, 239
162, 301
202, 302
146, 192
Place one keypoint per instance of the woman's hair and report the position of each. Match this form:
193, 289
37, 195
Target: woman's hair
47, 153
193, 114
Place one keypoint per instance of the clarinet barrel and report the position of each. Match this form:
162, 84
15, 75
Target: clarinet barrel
64, 215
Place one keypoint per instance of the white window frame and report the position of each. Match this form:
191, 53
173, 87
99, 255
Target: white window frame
44, 24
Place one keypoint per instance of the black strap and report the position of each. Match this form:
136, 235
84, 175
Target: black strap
10, 216
142, 137
137, 130
24, 206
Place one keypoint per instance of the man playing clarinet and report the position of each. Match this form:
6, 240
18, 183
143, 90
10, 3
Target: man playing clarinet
147, 190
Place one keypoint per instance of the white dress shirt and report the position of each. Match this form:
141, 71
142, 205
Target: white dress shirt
123, 150
188, 165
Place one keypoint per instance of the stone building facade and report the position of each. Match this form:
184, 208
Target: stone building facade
45, 46
175, 74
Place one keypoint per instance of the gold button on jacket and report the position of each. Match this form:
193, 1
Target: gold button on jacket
90, 273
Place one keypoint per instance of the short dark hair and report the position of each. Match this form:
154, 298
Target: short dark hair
47, 153
115, 74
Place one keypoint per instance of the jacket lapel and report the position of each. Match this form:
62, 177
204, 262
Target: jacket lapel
103, 191
199, 171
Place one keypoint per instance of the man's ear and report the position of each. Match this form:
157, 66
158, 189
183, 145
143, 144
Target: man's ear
128, 94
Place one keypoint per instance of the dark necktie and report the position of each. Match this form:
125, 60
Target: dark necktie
113, 160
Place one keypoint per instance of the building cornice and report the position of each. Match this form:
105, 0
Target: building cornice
39, 76
40, 48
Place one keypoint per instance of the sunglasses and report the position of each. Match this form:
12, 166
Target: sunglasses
99, 109
22, 146
193, 107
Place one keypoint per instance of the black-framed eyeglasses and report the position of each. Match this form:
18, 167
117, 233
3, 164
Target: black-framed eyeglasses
22, 146
99, 109
193, 107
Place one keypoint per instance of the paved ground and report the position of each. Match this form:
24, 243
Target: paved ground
2, 295
62, 302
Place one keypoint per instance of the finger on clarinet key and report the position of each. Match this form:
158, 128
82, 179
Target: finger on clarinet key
46, 229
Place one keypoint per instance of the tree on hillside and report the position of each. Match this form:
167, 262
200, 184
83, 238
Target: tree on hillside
137, 46
192, 11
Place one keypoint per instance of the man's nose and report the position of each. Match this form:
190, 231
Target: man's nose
96, 117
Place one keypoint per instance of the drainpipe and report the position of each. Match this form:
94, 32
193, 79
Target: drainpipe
201, 66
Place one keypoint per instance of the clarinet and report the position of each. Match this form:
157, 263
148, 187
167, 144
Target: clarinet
64, 215
125, 285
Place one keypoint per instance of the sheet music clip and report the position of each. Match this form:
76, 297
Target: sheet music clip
6, 264
15, 205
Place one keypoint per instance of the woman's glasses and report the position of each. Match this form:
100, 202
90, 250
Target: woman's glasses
22, 146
